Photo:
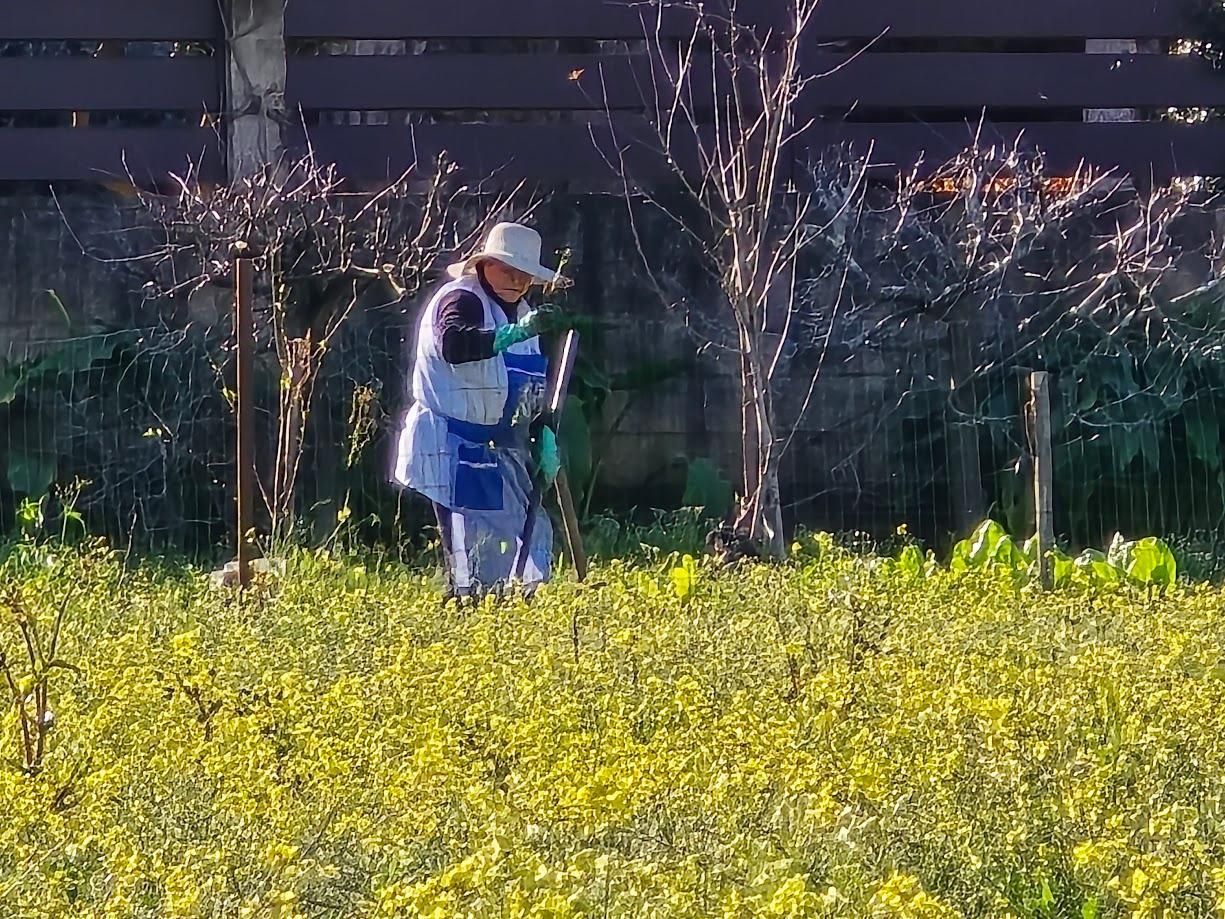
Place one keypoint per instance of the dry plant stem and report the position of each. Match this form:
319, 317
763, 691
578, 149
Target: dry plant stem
41, 661
19, 703
38, 690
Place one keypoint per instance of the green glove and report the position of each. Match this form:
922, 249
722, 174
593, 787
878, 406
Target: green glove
548, 456
531, 325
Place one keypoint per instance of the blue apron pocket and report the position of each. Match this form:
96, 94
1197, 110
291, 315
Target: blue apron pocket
478, 480
526, 378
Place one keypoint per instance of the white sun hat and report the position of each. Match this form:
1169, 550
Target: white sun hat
511, 244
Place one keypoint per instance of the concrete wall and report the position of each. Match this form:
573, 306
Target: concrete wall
41, 241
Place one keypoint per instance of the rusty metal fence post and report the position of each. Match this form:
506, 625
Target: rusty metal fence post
244, 334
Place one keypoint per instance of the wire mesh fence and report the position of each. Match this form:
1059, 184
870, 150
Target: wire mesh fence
135, 431
1133, 453
1137, 399
129, 428
132, 435
921, 311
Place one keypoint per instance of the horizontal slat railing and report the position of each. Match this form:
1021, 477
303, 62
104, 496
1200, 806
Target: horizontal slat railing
996, 19
110, 82
116, 84
441, 81
381, 19
124, 20
468, 81
580, 153
503, 153
384, 19
504, 81
589, 82
108, 154
1014, 80
1160, 150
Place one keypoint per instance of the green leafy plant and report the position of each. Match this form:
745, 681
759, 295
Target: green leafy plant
912, 563
661, 535
600, 399
1090, 566
597, 407
990, 546
1148, 562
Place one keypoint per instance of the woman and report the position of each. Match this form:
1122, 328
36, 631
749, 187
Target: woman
473, 440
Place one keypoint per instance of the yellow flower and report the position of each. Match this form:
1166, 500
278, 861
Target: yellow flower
185, 643
757, 750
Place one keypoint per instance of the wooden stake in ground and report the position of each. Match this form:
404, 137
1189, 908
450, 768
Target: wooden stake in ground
569, 517
244, 335
565, 500
1039, 418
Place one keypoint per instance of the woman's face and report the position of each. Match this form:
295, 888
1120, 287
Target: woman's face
510, 284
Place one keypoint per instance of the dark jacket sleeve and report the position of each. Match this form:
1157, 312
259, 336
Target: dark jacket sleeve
457, 324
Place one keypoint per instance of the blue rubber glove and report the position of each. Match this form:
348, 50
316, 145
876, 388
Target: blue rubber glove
529, 326
548, 456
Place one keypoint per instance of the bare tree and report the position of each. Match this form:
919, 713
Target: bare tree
724, 112
805, 244
320, 250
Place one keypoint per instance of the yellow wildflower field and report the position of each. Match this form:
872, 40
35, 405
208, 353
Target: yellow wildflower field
833, 737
